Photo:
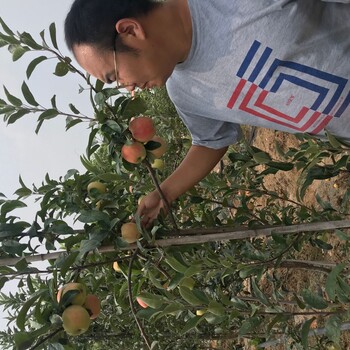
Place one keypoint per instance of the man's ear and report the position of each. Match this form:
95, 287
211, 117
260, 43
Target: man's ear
130, 27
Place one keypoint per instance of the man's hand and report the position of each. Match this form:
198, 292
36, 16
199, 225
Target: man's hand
150, 207
197, 164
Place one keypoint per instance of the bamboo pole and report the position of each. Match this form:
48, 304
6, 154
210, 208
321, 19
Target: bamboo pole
202, 236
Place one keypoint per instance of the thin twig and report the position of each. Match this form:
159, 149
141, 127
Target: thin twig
132, 306
49, 336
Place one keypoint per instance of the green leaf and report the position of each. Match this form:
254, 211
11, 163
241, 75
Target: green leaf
331, 282
38, 127
6, 28
73, 109
28, 95
175, 264
9, 39
91, 142
68, 297
10, 205
249, 325
70, 122
152, 300
33, 64
342, 235
53, 102
12, 99
154, 280
68, 262
281, 166
193, 270
48, 114
333, 330
16, 116
259, 294
21, 265
13, 247
314, 300
216, 308
246, 271
18, 53
62, 69
192, 323
134, 107
52, 29
23, 313
89, 216
24, 191
189, 296
305, 333
24, 340
11, 230
27, 39
261, 157
239, 304
88, 245
173, 307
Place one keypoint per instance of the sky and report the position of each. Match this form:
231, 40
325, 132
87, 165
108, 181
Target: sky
53, 151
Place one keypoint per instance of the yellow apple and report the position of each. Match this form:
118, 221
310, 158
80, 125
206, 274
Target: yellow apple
96, 185
158, 164
76, 320
200, 312
130, 232
116, 267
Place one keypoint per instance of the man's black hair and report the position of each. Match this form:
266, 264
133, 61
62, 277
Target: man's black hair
92, 22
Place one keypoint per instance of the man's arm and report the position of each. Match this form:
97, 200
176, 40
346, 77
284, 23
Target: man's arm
197, 164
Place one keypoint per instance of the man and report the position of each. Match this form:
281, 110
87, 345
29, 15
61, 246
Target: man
281, 64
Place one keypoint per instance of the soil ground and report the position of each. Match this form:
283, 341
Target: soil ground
285, 183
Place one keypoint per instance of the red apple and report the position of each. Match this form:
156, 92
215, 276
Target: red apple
134, 152
142, 129
141, 303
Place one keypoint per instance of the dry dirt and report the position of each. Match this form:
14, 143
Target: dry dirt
285, 183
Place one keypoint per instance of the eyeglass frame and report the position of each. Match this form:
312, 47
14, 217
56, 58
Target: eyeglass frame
118, 85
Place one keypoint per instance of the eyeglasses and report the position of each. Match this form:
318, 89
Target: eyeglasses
118, 85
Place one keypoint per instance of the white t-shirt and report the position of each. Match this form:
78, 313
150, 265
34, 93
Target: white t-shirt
280, 64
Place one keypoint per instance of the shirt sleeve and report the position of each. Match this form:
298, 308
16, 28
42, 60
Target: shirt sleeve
210, 132
339, 1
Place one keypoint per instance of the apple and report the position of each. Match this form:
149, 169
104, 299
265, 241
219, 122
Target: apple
142, 129
158, 152
134, 152
130, 232
116, 267
158, 164
141, 303
96, 185
79, 299
76, 320
92, 305
200, 312
59, 294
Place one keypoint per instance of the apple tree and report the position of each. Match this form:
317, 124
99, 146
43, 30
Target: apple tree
212, 271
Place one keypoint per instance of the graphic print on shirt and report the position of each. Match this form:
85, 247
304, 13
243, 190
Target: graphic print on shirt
287, 93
